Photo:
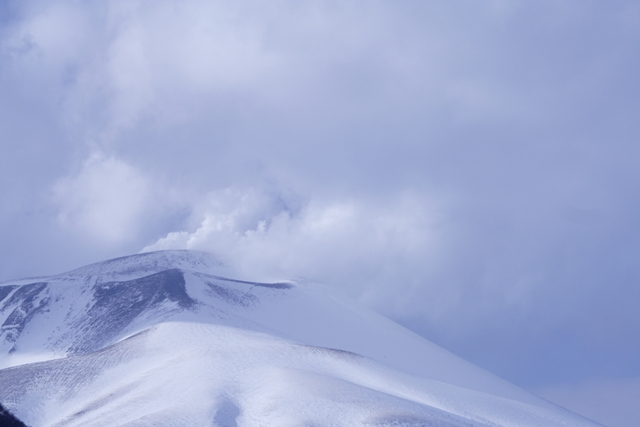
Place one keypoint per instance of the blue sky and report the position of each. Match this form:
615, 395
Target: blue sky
468, 168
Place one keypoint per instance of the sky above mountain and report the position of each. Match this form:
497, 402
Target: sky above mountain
466, 168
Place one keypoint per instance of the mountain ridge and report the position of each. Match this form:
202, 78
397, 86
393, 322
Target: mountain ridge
122, 324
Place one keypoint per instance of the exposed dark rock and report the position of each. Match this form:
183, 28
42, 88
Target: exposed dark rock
29, 300
232, 296
276, 285
6, 290
7, 419
117, 304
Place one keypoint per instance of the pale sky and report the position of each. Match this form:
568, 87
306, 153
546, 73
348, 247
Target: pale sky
467, 168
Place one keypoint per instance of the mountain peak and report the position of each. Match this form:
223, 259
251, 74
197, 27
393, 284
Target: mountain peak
162, 338
145, 263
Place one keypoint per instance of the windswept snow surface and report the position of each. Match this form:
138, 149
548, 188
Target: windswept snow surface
165, 339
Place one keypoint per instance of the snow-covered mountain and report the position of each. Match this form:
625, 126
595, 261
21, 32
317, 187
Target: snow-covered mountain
168, 339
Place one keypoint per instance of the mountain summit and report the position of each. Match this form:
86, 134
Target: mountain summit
169, 339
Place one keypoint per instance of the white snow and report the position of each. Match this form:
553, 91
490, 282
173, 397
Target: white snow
234, 353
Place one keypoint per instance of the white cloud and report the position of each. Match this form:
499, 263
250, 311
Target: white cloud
105, 199
169, 51
361, 246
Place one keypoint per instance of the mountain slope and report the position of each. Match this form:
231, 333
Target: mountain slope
164, 338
